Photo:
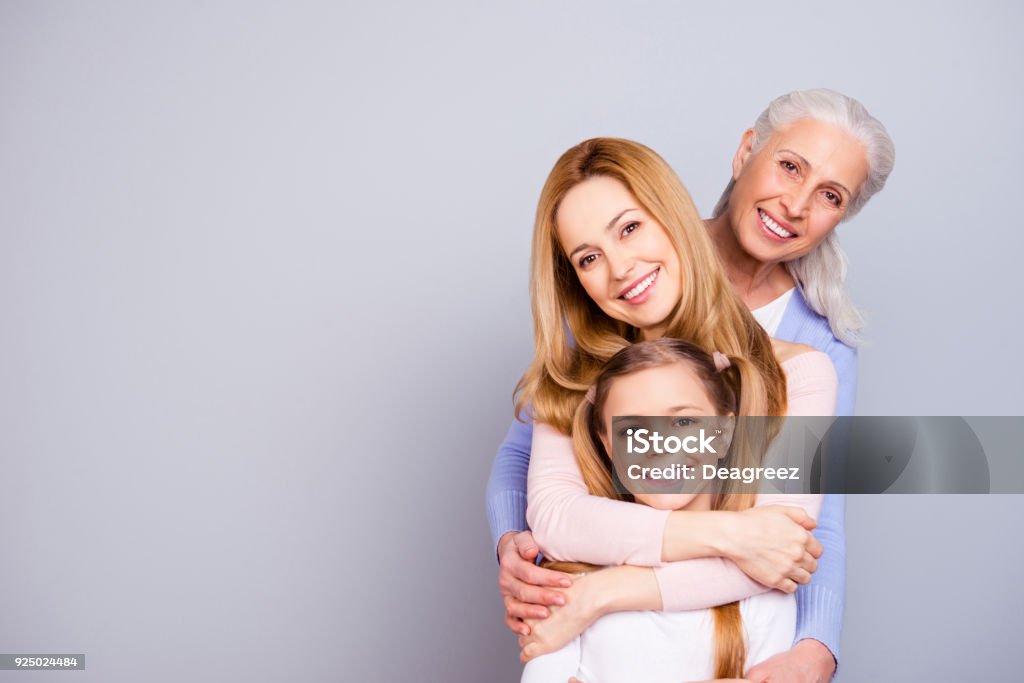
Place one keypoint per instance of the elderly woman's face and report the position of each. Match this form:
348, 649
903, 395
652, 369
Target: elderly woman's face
621, 254
794, 191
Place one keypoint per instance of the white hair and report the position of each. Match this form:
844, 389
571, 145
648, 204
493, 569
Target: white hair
821, 274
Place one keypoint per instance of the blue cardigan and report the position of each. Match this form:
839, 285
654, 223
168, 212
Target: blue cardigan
820, 603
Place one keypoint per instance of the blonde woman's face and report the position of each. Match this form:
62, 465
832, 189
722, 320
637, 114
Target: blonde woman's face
675, 393
622, 256
794, 191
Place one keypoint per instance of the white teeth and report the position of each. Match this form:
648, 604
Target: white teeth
643, 285
772, 225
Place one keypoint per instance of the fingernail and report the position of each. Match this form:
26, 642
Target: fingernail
566, 583
560, 600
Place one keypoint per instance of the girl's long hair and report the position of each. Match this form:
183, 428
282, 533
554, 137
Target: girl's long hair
573, 337
725, 389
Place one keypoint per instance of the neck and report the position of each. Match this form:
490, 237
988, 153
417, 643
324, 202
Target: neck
755, 282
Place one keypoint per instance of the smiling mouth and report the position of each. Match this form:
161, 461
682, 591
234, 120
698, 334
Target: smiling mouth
774, 227
640, 287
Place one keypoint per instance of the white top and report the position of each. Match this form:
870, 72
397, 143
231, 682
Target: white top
665, 647
770, 315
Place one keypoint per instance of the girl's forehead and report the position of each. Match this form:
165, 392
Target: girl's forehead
661, 390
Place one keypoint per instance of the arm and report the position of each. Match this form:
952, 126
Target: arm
525, 587
506, 487
571, 524
820, 603
844, 358
692, 584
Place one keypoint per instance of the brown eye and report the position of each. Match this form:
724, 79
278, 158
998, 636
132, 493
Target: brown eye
629, 227
789, 166
833, 198
587, 260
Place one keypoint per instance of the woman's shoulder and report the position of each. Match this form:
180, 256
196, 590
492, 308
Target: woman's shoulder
801, 360
785, 351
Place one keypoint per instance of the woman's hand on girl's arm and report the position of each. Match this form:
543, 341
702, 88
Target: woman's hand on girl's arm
772, 545
613, 589
525, 586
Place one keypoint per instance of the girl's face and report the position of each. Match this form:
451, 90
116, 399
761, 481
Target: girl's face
622, 256
794, 191
674, 391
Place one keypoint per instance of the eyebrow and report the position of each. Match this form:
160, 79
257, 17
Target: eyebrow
810, 166
677, 409
610, 225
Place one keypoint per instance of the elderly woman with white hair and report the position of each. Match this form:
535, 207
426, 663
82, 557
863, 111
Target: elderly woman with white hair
811, 161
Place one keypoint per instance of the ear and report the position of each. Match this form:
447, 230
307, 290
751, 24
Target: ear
743, 153
728, 427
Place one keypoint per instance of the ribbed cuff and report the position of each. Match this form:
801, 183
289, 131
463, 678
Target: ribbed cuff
819, 615
506, 512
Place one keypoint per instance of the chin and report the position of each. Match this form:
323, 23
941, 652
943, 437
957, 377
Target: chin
665, 501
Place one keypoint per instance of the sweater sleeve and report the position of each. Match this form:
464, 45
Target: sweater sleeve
815, 385
820, 604
570, 524
812, 384
710, 581
506, 487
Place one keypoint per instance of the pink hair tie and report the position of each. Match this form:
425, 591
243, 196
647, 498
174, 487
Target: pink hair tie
721, 361
591, 394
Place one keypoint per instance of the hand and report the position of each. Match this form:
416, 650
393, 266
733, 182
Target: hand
521, 581
565, 623
773, 545
806, 662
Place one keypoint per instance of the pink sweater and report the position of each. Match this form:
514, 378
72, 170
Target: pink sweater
570, 524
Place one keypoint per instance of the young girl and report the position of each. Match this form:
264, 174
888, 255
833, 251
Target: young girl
670, 377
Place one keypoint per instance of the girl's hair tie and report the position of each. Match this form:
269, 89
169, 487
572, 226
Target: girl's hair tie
721, 360
591, 393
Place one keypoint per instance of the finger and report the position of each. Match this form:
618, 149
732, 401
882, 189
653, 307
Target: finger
516, 625
787, 586
525, 545
538, 596
800, 517
518, 609
814, 547
801, 576
808, 563
530, 573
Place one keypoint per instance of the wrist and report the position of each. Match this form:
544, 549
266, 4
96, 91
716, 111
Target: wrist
691, 534
816, 652
621, 589
725, 532
506, 538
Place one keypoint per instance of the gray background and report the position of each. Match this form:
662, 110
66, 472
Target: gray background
250, 250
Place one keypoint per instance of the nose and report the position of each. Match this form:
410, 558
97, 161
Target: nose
620, 263
797, 200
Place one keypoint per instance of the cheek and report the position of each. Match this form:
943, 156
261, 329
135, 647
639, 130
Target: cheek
593, 284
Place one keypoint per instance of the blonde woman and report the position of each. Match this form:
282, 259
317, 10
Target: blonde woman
620, 254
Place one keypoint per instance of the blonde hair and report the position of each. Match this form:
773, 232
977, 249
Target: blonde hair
708, 313
725, 389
